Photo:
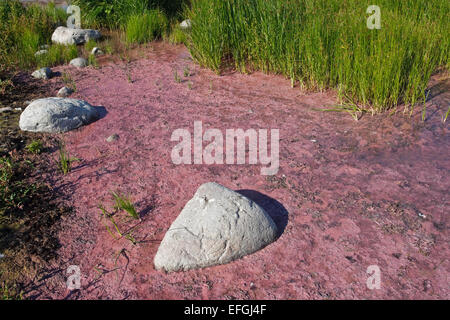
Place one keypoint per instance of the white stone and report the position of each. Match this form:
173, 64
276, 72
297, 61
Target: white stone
79, 62
43, 73
186, 24
96, 51
112, 138
215, 227
66, 36
56, 115
5, 109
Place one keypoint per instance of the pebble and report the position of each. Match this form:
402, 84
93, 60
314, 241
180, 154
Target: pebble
112, 138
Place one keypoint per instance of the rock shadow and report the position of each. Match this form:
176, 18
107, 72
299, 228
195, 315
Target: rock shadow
101, 111
274, 209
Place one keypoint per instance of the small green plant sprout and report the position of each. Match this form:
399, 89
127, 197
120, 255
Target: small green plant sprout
128, 73
35, 147
8, 293
92, 60
68, 81
355, 111
176, 77
124, 203
129, 236
90, 44
65, 161
105, 214
187, 71
424, 113
5, 84
189, 85
444, 118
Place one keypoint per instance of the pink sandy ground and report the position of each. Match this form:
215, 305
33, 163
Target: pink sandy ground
372, 192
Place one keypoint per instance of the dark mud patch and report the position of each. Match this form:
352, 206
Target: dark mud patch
16, 95
30, 210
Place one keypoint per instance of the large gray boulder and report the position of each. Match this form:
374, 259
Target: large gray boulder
56, 115
66, 36
215, 227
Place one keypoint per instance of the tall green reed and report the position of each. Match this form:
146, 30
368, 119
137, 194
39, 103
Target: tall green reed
326, 44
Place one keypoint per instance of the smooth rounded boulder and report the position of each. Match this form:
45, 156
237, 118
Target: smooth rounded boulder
54, 115
215, 227
67, 36
79, 62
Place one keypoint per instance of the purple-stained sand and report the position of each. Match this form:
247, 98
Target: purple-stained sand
372, 192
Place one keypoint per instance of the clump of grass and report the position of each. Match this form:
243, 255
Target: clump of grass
23, 29
326, 44
65, 161
57, 54
5, 84
444, 118
10, 293
176, 76
114, 14
110, 217
35, 147
187, 71
90, 44
146, 27
124, 203
177, 35
92, 60
15, 193
69, 82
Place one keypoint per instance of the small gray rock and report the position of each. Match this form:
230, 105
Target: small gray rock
112, 138
44, 47
64, 92
67, 36
215, 227
43, 73
79, 62
56, 115
186, 24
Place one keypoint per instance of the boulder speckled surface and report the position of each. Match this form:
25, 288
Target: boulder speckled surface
66, 36
215, 227
56, 115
